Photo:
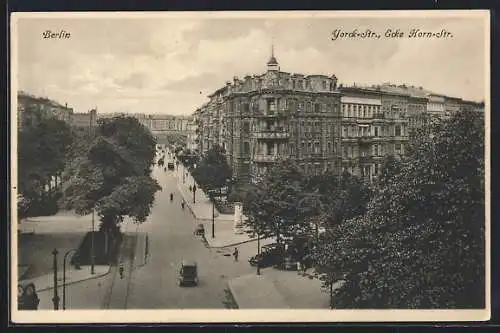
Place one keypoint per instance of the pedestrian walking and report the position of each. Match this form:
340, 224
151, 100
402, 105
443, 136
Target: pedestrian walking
235, 254
121, 269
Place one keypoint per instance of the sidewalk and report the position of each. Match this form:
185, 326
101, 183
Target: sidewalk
256, 292
279, 289
46, 282
202, 209
225, 233
62, 222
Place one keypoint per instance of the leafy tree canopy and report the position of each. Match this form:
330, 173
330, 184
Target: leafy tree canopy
213, 171
113, 173
420, 243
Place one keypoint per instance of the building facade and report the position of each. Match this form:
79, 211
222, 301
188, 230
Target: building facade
261, 118
192, 135
31, 109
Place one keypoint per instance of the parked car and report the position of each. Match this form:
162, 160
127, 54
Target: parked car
170, 166
200, 230
188, 274
270, 255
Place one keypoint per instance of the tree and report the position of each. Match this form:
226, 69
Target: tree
214, 172
420, 243
280, 192
113, 174
42, 150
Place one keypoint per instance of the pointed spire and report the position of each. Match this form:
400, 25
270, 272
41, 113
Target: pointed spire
272, 63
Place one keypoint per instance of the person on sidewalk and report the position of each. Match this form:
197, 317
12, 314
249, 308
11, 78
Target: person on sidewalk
121, 269
235, 254
182, 203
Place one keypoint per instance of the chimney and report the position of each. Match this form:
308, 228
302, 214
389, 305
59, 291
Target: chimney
66, 105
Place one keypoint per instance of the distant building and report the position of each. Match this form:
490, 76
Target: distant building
192, 135
85, 120
159, 125
31, 109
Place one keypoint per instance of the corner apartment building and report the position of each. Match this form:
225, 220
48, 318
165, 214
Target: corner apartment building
262, 118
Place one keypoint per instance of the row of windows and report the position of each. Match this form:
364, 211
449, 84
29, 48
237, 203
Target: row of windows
358, 131
376, 150
284, 103
295, 84
359, 110
365, 170
306, 148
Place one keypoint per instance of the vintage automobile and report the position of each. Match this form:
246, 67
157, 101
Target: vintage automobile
170, 166
188, 274
270, 255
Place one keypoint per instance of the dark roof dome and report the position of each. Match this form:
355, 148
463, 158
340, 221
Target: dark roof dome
272, 61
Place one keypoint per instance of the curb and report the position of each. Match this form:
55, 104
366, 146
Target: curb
232, 244
73, 282
230, 289
189, 204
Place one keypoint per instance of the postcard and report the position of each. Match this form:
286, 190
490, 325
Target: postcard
225, 167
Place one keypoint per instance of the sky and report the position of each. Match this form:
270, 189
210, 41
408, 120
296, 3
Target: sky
169, 64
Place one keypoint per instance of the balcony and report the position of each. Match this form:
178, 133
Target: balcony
364, 120
365, 139
365, 159
265, 158
271, 135
271, 114
399, 138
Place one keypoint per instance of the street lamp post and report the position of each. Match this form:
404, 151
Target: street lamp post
92, 252
258, 253
55, 299
64, 276
194, 193
213, 217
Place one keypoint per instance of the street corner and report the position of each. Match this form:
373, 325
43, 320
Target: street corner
73, 276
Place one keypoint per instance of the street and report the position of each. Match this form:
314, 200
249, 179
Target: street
152, 284
171, 239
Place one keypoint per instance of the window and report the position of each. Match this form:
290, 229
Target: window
246, 147
376, 130
375, 150
245, 108
246, 127
344, 130
397, 148
300, 105
317, 107
345, 152
309, 147
270, 149
303, 150
398, 130
329, 147
324, 84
